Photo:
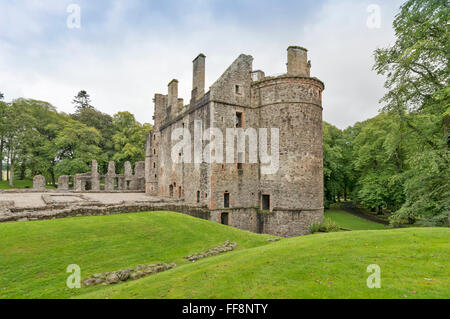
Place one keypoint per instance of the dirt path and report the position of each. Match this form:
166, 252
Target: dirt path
349, 208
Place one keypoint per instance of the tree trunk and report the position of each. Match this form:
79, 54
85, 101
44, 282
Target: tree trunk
1, 159
11, 175
7, 165
22, 171
53, 178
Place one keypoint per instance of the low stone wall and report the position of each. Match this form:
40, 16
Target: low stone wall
114, 277
284, 223
57, 211
228, 246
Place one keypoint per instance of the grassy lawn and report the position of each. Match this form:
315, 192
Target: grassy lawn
20, 184
414, 264
349, 221
34, 255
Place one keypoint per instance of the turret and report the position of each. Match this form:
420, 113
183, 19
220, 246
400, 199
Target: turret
298, 64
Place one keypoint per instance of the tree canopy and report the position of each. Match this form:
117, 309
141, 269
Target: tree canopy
36, 139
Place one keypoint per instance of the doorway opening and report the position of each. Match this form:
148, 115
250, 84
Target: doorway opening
224, 218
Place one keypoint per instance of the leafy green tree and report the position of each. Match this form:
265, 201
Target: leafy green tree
380, 152
129, 138
77, 146
104, 124
41, 154
417, 71
333, 164
19, 124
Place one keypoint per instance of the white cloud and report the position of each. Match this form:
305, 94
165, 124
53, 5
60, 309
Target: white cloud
124, 66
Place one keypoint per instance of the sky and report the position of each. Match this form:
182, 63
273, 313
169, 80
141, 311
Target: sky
125, 51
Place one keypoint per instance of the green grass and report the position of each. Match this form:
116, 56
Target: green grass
330, 265
34, 255
20, 184
349, 221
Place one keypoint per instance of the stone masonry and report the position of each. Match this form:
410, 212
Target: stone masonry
284, 203
92, 181
39, 183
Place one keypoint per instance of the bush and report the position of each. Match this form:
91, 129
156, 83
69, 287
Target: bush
328, 226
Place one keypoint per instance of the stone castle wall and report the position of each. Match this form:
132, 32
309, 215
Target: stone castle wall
291, 102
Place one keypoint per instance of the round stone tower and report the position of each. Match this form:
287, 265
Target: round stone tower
292, 103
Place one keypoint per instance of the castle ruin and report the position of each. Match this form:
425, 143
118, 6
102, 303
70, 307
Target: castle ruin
238, 194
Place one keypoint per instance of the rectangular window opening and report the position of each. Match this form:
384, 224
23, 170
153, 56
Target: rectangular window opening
226, 200
239, 120
266, 202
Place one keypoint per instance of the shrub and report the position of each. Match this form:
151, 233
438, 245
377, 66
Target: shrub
328, 226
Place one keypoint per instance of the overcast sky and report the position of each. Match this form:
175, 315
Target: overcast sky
126, 51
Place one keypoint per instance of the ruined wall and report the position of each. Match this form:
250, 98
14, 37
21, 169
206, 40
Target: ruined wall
231, 94
242, 218
289, 223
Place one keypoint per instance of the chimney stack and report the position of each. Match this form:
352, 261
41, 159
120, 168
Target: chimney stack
198, 79
172, 98
298, 64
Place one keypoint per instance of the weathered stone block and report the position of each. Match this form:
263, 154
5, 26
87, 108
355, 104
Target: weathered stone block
39, 183
63, 183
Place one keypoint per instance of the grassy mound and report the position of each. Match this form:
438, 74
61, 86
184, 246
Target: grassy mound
34, 255
349, 221
414, 264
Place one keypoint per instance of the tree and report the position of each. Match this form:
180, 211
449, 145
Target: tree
333, 164
129, 138
82, 101
18, 133
104, 124
3, 127
417, 71
380, 153
41, 153
1, 96
77, 146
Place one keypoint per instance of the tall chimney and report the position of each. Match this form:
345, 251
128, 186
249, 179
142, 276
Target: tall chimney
172, 98
298, 64
198, 79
